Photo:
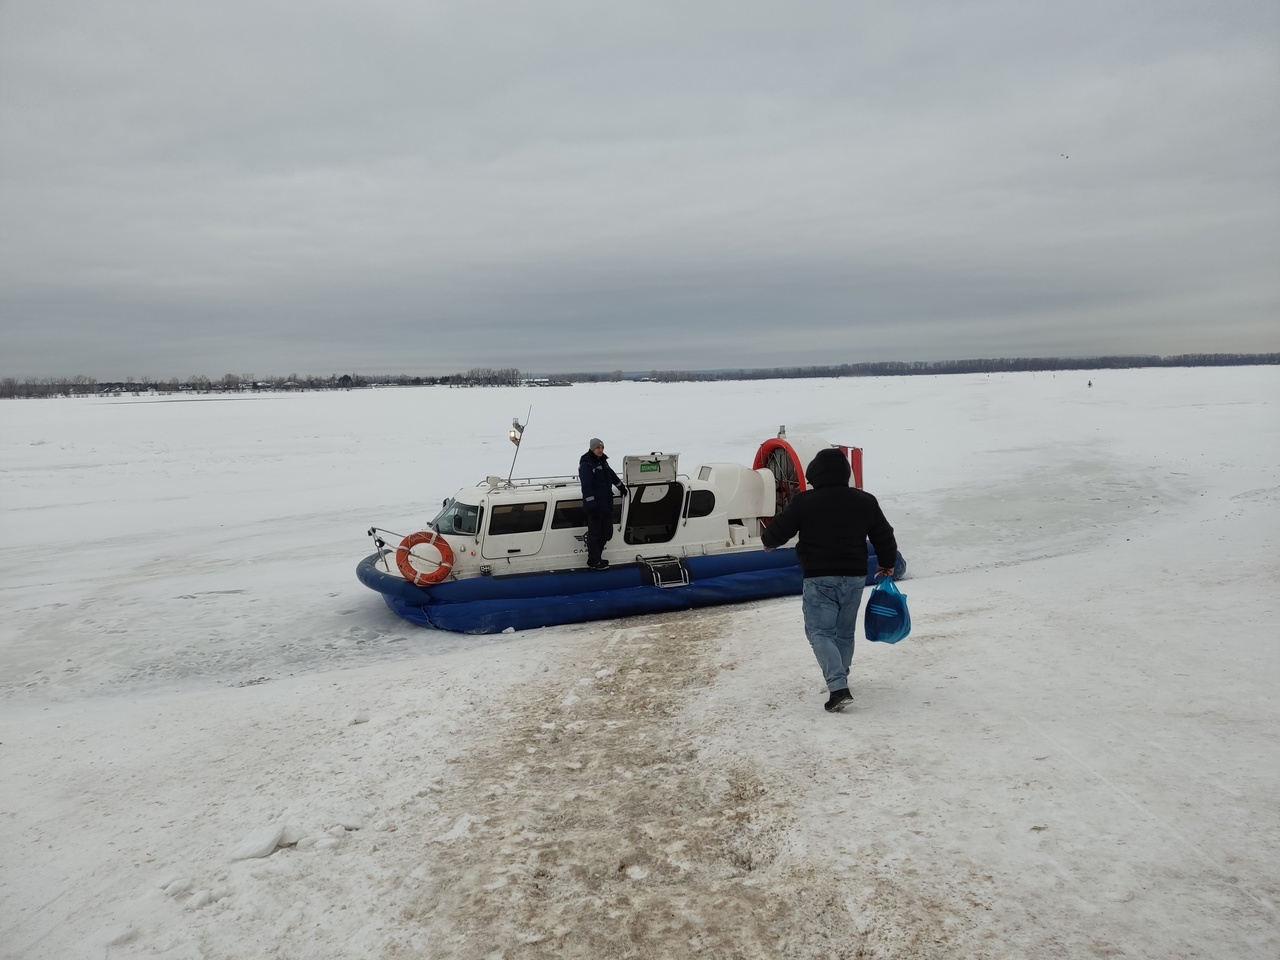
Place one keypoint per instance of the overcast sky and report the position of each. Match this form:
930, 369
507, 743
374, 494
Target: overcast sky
277, 186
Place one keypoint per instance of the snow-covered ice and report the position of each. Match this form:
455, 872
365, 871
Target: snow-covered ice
215, 743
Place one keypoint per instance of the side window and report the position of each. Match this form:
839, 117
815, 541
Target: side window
511, 518
568, 513
701, 503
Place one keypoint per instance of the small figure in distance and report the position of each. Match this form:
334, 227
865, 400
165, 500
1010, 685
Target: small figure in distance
834, 521
598, 481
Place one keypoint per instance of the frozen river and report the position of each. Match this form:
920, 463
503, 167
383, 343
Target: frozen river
1075, 754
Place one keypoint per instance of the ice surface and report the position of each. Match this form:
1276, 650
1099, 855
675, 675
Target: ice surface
1074, 754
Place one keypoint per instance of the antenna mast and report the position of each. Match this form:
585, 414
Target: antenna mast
514, 435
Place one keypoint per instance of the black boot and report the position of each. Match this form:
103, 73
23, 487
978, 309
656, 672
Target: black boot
839, 700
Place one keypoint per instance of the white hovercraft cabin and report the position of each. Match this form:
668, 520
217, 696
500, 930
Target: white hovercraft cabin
511, 554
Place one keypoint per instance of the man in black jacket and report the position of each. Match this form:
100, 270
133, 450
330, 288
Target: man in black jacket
598, 481
834, 521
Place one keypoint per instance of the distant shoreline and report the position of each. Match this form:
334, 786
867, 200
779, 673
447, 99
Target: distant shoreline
83, 385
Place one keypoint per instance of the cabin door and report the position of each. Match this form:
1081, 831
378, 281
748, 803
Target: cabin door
513, 530
653, 515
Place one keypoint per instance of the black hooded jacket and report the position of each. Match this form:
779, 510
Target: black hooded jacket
598, 481
834, 521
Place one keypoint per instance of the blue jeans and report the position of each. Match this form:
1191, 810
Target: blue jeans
830, 607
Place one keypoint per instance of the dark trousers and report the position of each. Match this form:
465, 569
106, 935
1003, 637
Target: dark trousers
599, 530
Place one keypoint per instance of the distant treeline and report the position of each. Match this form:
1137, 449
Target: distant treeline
82, 385
903, 368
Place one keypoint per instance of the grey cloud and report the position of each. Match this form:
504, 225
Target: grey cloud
408, 186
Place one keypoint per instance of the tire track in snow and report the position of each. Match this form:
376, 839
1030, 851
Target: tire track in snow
587, 826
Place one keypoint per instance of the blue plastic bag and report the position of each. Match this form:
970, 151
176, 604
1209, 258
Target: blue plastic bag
887, 619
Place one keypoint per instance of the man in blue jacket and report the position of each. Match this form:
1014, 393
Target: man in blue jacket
598, 481
834, 521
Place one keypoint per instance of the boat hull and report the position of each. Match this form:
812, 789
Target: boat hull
525, 601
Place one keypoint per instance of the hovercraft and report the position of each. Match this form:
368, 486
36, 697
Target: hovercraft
511, 554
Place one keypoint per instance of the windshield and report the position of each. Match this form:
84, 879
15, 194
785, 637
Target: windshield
458, 517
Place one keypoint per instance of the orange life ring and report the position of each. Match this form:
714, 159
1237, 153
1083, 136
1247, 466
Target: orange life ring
428, 538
